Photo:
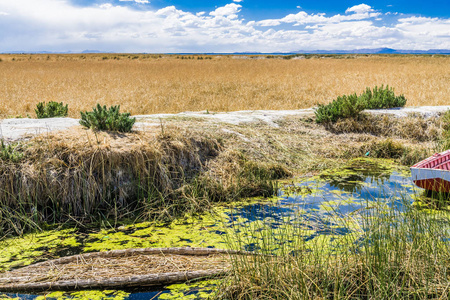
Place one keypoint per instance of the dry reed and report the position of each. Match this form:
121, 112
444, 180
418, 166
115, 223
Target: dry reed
119, 269
158, 174
146, 84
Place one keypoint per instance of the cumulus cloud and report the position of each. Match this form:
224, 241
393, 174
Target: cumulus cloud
358, 12
137, 1
58, 25
229, 10
359, 9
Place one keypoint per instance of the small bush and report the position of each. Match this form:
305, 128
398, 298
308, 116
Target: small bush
342, 107
102, 118
381, 98
350, 106
51, 110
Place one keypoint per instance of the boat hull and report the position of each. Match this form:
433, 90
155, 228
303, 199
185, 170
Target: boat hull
431, 179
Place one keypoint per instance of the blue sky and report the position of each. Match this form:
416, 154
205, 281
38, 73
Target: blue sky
222, 26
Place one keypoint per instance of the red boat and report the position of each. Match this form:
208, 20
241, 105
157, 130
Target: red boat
433, 173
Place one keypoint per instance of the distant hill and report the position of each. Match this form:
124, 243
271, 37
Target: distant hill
354, 51
377, 51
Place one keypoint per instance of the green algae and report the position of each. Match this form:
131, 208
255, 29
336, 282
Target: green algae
332, 205
86, 295
352, 174
25, 250
193, 290
203, 231
6, 297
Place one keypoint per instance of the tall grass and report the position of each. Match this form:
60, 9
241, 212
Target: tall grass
152, 84
84, 175
394, 251
444, 143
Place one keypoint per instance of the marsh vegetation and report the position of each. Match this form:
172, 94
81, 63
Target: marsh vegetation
336, 216
148, 84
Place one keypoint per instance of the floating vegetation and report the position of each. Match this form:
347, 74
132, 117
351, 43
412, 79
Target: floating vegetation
86, 295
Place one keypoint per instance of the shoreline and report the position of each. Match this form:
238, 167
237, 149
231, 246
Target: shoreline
16, 129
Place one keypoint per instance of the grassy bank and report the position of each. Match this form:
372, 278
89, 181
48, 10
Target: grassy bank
182, 166
84, 176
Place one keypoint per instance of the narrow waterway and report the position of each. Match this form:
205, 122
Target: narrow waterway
322, 205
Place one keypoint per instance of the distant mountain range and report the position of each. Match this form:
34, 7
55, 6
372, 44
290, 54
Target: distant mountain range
378, 51
355, 51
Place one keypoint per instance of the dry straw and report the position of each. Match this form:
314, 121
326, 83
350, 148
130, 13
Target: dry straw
119, 269
83, 173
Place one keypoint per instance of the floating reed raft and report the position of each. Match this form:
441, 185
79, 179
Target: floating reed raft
119, 269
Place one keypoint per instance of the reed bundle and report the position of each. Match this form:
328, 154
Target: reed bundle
119, 269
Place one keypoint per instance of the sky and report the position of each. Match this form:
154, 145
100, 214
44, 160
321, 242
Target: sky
222, 26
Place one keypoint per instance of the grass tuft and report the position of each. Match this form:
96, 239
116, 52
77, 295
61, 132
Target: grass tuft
10, 152
444, 142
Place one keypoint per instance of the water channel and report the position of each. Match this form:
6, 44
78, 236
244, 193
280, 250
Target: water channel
320, 204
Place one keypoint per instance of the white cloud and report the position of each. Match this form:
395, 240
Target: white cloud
57, 25
238, 1
229, 10
137, 1
359, 9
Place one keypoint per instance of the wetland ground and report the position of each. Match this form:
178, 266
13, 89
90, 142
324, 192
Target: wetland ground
330, 207
327, 176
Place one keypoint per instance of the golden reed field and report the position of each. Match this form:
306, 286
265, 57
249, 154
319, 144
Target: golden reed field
148, 84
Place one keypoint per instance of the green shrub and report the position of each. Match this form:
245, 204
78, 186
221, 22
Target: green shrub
381, 97
51, 110
102, 118
351, 105
342, 107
